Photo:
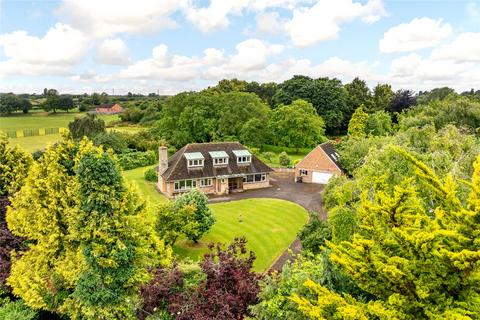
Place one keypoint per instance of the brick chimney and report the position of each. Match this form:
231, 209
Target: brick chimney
162, 160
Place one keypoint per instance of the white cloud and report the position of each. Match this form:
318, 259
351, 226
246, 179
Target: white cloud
91, 76
112, 52
164, 66
268, 23
418, 34
106, 18
252, 55
465, 47
215, 16
322, 21
414, 71
55, 53
473, 9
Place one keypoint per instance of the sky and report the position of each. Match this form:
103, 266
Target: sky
169, 46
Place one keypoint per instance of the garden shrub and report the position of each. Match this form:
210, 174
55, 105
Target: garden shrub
284, 159
132, 160
151, 175
17, 310
268, 155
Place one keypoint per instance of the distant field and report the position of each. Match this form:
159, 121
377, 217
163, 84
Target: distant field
269, 225
39, 120
44, 120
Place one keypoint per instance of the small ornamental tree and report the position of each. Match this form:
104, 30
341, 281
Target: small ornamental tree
356, 126
174, 222
416, 262
203, 216
88, 126
90, 243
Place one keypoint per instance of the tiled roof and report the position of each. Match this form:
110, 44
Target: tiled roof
322, 157
329, 149
178, 169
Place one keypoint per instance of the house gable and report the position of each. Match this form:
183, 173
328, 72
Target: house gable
321, 160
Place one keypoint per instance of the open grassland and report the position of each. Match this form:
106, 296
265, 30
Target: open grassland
269, 225
45, 120
40, 120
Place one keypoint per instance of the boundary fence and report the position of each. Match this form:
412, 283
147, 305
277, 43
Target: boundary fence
31, 132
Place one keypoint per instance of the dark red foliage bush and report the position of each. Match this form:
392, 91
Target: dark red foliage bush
165, 285
230, 287
8, 242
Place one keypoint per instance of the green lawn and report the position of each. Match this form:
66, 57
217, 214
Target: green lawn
35, 143
275, 163
44, 120
269, 225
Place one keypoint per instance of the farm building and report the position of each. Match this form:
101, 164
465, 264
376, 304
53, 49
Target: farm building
111, 108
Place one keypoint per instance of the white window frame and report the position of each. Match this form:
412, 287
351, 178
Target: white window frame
303, 172
177, 185
244, 159
220, 161
206, 182
193, 163
262, 178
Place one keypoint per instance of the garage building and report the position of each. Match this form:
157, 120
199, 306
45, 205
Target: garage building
319, 165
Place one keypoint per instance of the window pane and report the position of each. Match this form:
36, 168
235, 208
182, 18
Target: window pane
264, 177
194, 183
189, 183
250, 178
258, 177
182, 184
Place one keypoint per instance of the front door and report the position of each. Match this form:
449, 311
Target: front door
233, 184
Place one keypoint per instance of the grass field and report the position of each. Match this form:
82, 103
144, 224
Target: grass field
44, 120
275, 163
39, 120
269, 225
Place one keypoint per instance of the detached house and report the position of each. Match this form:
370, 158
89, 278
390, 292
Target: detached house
319, 165
214, 168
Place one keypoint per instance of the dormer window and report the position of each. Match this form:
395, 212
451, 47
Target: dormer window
219, 158
194, 159
243, 156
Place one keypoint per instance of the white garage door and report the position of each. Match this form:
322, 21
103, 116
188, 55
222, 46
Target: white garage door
321, 177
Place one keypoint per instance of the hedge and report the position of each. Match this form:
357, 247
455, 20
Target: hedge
132, 160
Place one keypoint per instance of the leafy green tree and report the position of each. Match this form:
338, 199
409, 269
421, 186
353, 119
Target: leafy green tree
254, 133
427, 269
236, 109
87, 126
17, 310
327, 96
426, 97
314, 234
297, 125
382, 96
90, 242
65, 102
51, 102
174, 222
203, 216
9, 103
379, 124
358, 95
358, 122
111, 140
25, 105
403, 99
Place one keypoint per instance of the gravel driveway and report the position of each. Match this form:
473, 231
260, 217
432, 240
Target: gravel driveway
283, 186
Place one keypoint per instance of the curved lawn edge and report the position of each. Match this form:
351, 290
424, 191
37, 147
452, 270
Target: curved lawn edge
270, 226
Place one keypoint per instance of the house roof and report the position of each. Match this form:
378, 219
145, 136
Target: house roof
314, 159
178, 169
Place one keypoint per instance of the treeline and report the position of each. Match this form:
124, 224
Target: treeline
251, 112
